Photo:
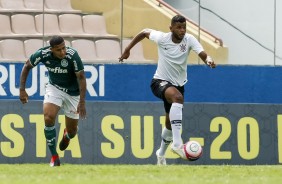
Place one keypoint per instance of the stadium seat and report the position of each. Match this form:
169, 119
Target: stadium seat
96, 24
12, 4
32, 45
61, 5
5, 26
136, 53
12, 50
24, 24
108, 49
51, 26
71, 23
34, 4
86, 49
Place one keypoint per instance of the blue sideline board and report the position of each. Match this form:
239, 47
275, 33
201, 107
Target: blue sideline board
131, 82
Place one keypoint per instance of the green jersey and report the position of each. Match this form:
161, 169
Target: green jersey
61, 71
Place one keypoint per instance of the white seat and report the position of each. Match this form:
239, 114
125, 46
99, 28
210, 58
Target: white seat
12, 50
24, 24
51, 24
34, 4
96, 24
32, 45
5, 26
12, 4
108, 49
71, 23
60, 5
86, 49
136, 53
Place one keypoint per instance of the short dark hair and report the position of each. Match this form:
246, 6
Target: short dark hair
178, 18
56, 40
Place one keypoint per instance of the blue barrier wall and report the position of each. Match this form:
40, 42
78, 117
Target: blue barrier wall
129, 82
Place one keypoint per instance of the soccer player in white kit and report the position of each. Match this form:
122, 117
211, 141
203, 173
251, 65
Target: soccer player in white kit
170, 77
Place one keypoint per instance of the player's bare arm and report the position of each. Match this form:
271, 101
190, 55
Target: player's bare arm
207, 59
25, 71
82, 88
145, 33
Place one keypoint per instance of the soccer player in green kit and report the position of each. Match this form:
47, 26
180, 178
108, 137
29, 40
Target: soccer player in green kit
66, 89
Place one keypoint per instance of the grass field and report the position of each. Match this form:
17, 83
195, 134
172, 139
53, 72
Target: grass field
138, 174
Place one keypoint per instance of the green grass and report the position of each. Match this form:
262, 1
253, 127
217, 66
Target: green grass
139, 174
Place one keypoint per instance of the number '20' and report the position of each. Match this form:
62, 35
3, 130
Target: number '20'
248, 147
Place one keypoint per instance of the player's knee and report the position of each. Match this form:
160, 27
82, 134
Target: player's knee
72, 133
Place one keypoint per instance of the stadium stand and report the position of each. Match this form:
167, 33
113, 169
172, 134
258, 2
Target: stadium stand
60, 5
86, 49
51, 24
32, 45
12, 50
96, 24
24, 25
71, 24
108, 49
5, 26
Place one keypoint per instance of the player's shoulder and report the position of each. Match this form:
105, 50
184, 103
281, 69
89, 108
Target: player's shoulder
71, 50
189, 36
44, 51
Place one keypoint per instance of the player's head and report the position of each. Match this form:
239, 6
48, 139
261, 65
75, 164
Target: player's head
58, 47
178, 27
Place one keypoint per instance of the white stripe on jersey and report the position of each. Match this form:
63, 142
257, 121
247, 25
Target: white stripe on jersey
172, 62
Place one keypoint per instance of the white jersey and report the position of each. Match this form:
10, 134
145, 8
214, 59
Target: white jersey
172, 62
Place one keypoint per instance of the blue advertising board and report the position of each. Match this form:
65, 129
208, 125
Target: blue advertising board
131, 82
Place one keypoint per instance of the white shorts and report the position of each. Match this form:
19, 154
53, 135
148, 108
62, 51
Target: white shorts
65, 101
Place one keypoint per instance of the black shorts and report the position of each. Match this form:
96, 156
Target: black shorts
158, 88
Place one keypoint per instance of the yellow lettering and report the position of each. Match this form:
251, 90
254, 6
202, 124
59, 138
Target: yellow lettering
115, 149
279, 135
136, 137
215, 125
40, 139
242, 138
17, 148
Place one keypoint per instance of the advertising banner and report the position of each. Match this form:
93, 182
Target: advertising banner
129, 133
131, 82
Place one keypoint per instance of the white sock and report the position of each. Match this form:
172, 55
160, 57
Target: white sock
166, 140
175, 116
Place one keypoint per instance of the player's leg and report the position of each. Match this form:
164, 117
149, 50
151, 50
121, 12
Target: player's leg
50, 113
175, 98
71, 120
166, 140
158, 88
69, 132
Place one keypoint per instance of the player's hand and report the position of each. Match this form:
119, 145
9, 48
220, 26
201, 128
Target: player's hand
23, 96
124, 55
210, 62
81, 110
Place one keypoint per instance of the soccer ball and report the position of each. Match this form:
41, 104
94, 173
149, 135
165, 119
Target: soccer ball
193, 150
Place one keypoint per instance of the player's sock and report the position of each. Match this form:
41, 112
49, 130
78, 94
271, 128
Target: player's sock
166, 140
175, 116
50, 135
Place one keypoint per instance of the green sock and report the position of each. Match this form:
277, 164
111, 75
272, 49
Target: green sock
50, 134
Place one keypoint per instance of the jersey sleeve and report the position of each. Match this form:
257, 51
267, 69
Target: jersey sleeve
78, 65
155, 35
35, 58
195, 45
